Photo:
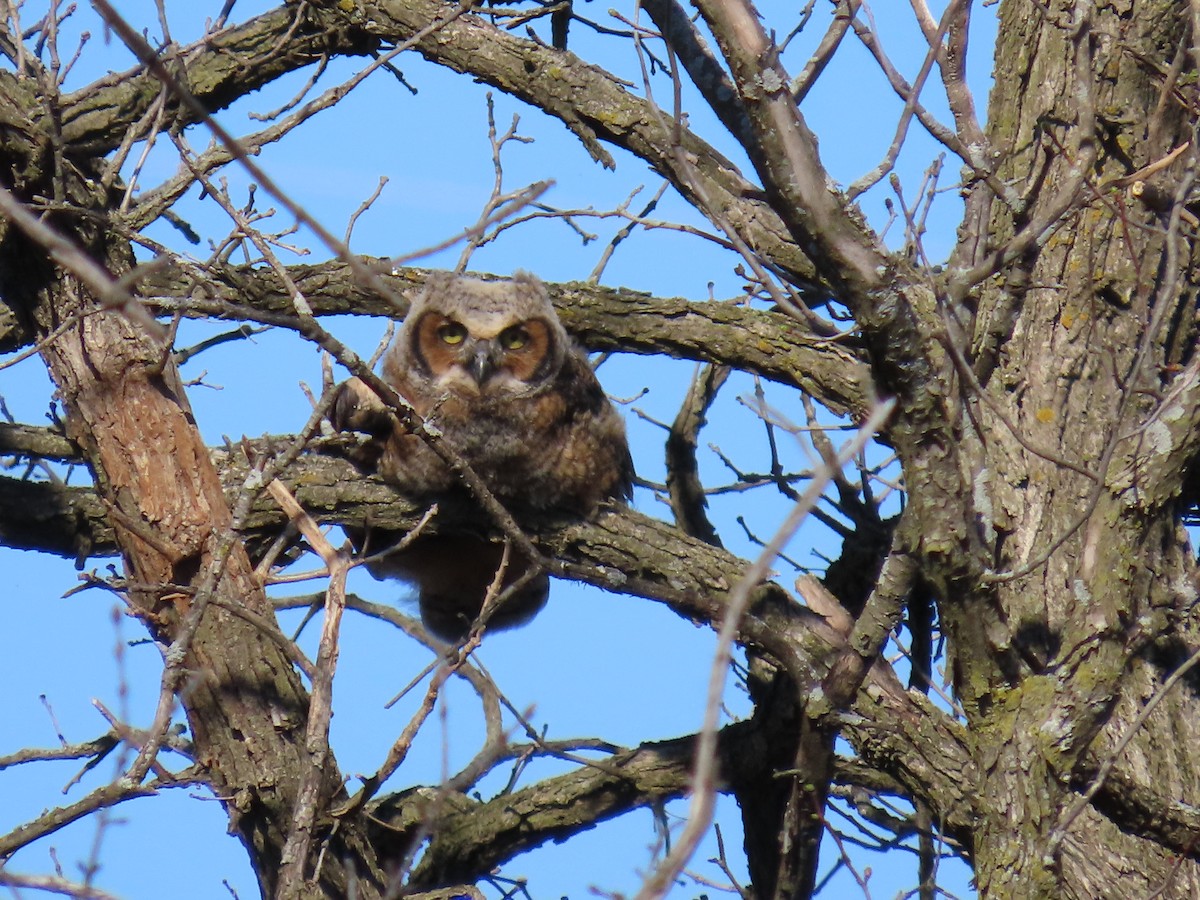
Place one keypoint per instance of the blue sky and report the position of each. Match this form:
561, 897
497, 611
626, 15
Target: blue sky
592, 664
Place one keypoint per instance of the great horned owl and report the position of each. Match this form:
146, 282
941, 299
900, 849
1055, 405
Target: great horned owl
490, 366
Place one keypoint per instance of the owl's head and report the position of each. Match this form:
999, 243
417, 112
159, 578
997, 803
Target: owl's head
474, 337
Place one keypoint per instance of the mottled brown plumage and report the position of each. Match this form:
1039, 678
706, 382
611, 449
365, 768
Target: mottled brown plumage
490, 366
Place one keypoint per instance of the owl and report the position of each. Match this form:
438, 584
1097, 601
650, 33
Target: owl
489, 365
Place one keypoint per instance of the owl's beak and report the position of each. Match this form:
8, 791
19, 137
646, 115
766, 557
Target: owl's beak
480, 364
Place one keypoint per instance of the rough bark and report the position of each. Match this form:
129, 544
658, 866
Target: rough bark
245, 705
1074, 347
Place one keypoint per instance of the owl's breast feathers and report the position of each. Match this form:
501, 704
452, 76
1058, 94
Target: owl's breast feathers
560, 448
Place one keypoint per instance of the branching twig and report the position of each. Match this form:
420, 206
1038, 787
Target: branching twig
704, 774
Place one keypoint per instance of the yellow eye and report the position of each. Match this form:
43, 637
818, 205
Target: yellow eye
451, 333
514, 338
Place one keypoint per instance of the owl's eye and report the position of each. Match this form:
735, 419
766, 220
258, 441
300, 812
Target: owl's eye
514, 338
451, 333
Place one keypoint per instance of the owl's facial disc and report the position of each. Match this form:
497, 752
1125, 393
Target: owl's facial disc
489, 355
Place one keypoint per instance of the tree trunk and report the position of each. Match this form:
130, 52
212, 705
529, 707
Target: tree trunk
246, 706
1074, 351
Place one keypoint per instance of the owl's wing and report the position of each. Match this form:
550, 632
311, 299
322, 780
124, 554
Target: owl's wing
597, 460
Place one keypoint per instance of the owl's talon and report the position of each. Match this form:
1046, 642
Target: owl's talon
357, 408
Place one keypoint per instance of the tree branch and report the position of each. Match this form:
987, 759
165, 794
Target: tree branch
620, 551
473, 837
776, 346
784, 152
218, 69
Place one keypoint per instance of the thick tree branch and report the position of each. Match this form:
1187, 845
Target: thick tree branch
620, 551
702, 67
473, 837
218, 69
35, 442
770, 344
784, 152
1143, 812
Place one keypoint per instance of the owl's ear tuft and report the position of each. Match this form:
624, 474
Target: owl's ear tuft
439, 279
529, 284
435, 283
